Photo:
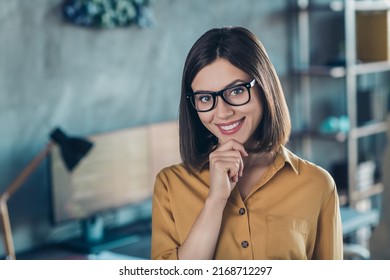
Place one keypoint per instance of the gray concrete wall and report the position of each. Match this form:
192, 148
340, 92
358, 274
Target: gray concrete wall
91, 81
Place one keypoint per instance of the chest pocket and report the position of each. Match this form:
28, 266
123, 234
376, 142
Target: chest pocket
286, 237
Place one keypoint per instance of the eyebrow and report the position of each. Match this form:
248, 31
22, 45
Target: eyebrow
233, 83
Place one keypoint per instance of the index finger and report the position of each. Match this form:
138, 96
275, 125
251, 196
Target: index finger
233, 145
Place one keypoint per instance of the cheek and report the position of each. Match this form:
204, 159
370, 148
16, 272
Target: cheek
205, 118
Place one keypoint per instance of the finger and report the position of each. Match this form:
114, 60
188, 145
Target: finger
233, 145
231, 155
234, 179
230, 168
222, 154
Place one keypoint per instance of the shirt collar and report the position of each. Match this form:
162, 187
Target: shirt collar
286, 155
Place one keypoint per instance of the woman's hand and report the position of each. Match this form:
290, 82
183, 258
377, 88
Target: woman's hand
226, 166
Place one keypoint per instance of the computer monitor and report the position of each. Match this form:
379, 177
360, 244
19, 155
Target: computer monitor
118, 171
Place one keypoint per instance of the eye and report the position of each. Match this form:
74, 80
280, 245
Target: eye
204, 98
237, 91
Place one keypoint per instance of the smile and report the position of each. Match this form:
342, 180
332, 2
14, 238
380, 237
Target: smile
231, 128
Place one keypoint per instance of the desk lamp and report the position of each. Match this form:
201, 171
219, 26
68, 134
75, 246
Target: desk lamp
72, 151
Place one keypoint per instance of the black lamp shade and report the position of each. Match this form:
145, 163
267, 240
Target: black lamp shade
72, 149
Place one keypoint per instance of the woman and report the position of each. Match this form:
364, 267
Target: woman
240, 193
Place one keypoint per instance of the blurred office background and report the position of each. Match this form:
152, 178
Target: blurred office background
92, 80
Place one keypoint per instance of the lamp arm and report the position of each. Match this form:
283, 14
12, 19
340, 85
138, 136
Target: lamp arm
34, 163
8, 240
13, 187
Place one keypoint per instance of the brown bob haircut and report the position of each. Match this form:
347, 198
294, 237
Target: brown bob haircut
242, 49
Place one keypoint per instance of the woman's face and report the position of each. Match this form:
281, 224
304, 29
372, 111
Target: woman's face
225, 121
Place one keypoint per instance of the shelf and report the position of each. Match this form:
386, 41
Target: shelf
320, 70
371, 67
335, 6
363, 194
358, 132
341, 71
370, 5
369, 129
358, 195
339, 136
346, 69
352, 219
338, 6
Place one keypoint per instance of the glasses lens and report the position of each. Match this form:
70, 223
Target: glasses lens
238, 95
202, 101
235, 96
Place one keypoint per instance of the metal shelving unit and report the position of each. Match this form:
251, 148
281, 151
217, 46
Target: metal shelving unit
303, 9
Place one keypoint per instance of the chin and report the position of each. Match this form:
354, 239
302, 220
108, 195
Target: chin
225, 138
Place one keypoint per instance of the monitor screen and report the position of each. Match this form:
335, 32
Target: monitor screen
118, 171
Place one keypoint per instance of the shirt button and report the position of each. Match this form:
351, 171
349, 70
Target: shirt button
244, 244
241, 211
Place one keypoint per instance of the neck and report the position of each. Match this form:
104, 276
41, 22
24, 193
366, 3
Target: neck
258, 159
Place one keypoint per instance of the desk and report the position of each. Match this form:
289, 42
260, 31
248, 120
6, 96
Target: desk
137, 250
352, 219
127, 242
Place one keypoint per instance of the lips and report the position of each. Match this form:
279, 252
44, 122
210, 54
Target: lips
231, 127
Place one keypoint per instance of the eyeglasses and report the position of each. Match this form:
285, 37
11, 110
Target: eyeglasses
236, 95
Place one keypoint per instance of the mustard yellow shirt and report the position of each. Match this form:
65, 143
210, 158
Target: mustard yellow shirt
291, 213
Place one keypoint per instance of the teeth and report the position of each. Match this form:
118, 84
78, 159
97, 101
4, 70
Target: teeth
230, 127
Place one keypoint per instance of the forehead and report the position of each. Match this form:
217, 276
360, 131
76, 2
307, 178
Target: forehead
217, 75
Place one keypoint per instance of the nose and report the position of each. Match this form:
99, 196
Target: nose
222, 109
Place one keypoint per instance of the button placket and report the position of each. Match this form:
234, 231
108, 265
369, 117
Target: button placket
244, 244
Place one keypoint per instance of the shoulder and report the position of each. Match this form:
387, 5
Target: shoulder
176, 170
167, 177
316, 172
307, 170
177, 174
179, 183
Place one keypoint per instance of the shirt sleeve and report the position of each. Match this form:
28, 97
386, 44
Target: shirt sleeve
329, 241
165, 240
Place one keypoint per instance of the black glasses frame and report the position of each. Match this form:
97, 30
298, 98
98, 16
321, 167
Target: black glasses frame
215, 94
